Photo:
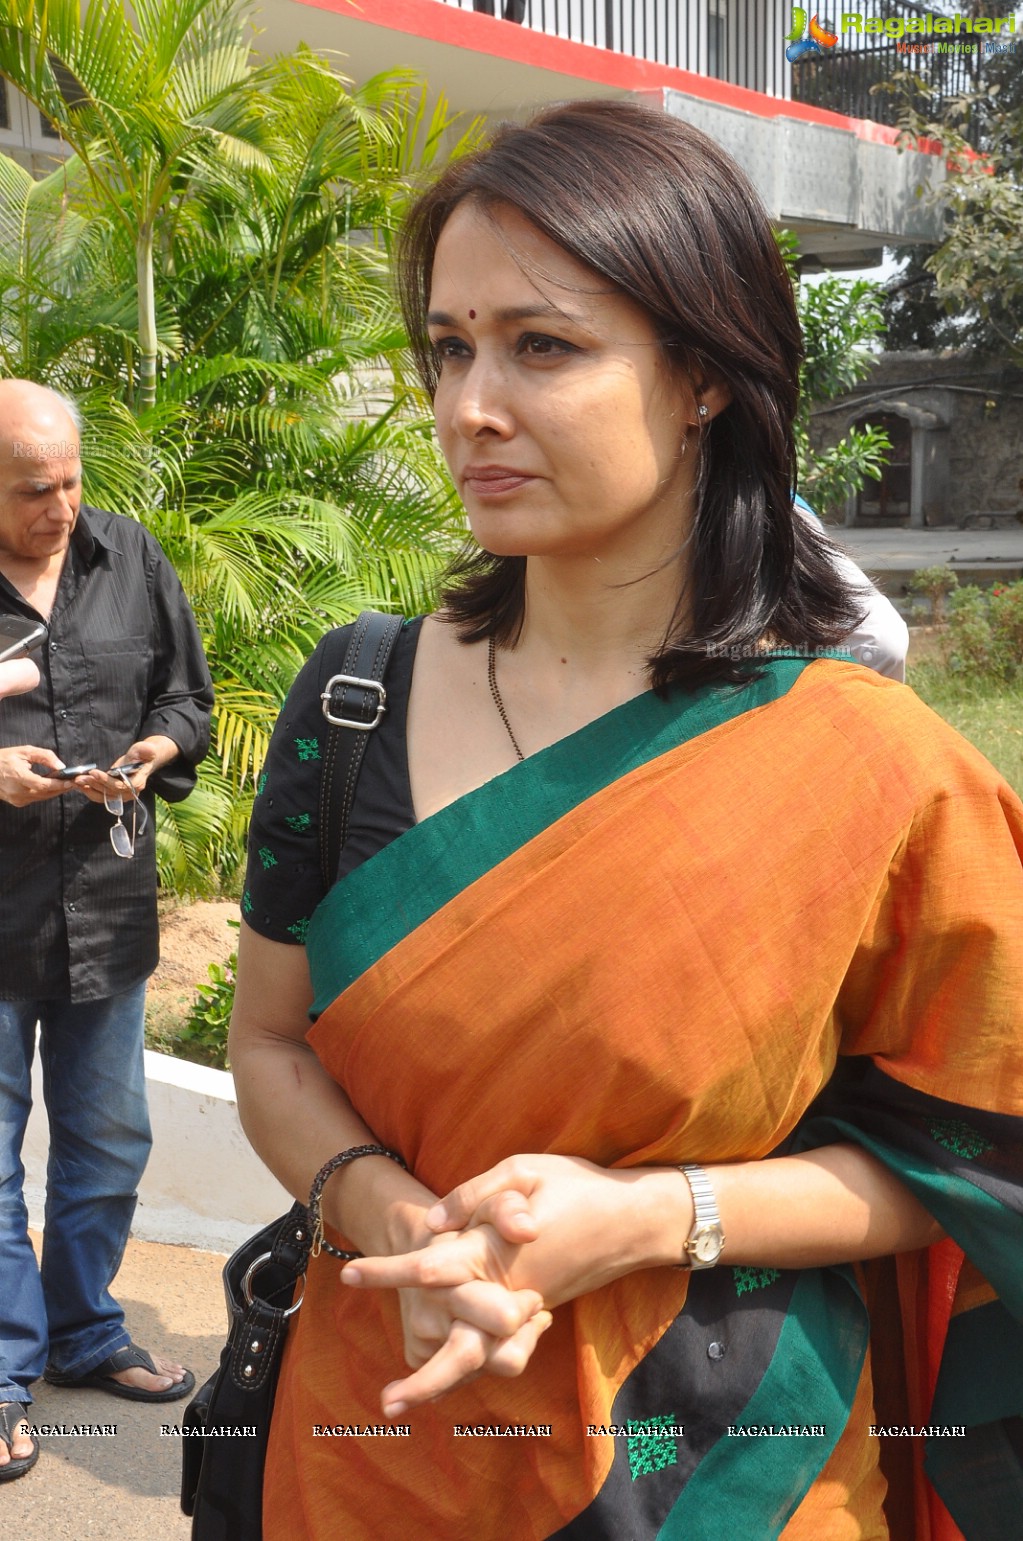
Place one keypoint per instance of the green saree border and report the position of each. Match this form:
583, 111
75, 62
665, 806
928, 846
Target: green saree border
376, 906
811, 1380
986, 1229
980, 1381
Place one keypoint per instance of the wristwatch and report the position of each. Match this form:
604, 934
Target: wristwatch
702, 1247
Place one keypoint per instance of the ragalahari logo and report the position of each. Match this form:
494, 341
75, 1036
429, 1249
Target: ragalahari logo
800, 45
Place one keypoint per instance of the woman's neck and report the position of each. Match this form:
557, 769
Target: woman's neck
598, 621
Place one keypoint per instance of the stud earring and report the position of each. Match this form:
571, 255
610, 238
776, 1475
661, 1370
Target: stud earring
703, 410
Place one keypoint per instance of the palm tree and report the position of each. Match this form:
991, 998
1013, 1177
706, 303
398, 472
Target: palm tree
142, 97
253, 415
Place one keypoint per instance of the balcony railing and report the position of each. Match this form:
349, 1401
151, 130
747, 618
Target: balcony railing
744, 42
844, 78
741, 41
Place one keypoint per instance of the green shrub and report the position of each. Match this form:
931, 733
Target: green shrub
1007, 623
985, 632
203, 1038
842, 324
935, 584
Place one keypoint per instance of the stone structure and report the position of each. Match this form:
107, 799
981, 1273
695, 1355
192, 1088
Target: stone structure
956, 427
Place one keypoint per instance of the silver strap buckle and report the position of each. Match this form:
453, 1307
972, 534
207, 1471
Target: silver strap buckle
250, 1273
350, 722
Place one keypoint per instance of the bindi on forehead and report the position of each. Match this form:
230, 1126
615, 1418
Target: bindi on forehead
472, 315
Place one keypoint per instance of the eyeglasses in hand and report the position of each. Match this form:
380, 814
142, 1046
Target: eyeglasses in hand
122, 842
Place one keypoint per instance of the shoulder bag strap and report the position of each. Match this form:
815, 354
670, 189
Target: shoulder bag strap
354, 702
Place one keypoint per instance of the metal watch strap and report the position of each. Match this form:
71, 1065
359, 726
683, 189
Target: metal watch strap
706, 1219
354, 702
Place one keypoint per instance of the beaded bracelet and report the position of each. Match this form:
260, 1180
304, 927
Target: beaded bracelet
319, 1242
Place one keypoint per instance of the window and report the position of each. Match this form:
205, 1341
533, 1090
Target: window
71, 89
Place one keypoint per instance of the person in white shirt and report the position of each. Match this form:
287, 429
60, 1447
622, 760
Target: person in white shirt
881, 640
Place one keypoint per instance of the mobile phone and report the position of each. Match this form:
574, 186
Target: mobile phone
19, 636
67, 774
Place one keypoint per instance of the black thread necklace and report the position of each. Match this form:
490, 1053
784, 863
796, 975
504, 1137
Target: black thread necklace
492, 676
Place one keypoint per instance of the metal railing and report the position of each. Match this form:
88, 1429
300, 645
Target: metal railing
734, 40
744, 43
853, 77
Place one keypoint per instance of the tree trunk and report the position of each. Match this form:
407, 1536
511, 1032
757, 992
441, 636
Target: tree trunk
147, 317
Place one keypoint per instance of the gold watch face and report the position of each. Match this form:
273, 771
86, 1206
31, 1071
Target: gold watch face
706, 1245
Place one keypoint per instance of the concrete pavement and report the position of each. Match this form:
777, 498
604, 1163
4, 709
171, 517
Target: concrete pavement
978, 556
124, 1487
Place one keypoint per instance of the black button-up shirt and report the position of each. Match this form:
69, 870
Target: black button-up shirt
123, 661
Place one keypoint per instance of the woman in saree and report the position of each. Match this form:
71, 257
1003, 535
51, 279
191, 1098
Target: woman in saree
677, 957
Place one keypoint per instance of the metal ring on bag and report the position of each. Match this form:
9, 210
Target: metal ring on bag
253, 1268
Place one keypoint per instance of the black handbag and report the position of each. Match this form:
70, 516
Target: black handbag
227, 1423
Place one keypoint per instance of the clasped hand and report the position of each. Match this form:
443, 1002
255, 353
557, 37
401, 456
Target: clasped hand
523, 1237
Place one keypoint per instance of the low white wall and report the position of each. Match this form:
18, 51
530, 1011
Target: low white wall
204, 1185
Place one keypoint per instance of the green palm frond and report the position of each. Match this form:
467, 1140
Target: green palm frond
241, 728
195, 838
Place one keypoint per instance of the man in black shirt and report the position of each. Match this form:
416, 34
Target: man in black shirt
124, 681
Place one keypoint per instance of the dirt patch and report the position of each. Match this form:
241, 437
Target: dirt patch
925, 644
192, 936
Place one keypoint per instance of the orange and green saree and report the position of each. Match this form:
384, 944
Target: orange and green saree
714, 928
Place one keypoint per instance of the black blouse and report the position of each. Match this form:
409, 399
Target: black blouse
283, 882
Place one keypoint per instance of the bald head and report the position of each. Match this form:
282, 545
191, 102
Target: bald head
40, 476
34, 415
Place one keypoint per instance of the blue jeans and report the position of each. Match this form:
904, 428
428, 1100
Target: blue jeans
62, 1313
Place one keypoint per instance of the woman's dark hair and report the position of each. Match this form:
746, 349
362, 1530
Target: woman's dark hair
660, 211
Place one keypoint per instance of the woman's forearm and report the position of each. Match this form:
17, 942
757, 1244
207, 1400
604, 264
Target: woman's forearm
838, 1204
582, 1225
296, 1117
585, 1226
